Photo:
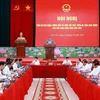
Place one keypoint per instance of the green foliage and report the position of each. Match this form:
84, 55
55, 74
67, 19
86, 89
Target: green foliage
59, 52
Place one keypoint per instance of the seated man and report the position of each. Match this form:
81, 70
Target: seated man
12, 62
96, 70
79, 64
90, 62
6, 70
86, 67
67, 61
15, 65
20, 63
2, 65
8, 59
35, 61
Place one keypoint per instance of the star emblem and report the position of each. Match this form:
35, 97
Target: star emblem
27, 7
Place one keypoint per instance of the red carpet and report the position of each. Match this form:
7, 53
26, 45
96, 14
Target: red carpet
50, 89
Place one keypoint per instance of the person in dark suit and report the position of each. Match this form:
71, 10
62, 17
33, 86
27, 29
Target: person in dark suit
50, 41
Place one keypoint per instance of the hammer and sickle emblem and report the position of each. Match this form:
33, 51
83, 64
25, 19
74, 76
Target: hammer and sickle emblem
16, 7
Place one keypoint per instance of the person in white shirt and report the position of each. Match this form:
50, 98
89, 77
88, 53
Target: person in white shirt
90, 62
86, 67
79, 64
6, 70
35, 61
67, 61
7, 59
96, 69
15, 65
2, 65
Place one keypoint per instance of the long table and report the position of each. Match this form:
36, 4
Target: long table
43, 71
19, 88
85, 89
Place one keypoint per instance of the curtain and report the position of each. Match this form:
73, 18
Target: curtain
22, 12
4, 23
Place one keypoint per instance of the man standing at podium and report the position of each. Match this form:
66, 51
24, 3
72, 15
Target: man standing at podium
49, 47
50, 41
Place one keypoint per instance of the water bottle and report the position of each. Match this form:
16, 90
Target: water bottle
99, 82
94, 78
6, 83
87, 75
1, 90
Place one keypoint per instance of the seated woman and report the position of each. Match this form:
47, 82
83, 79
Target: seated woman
21, 39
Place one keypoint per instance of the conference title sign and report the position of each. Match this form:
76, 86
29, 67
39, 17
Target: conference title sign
74, 23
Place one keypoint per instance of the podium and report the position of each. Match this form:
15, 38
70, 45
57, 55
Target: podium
49, 48
20, 50
20, 46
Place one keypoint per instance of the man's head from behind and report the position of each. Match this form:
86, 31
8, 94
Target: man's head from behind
16, 61
78, 61
96, 63
20, 60
85, 62
2, 65
9, 64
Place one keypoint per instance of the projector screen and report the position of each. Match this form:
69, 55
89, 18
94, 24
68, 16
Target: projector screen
68, 22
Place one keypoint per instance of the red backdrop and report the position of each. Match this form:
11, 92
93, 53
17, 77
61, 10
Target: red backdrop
52, 21
22, 20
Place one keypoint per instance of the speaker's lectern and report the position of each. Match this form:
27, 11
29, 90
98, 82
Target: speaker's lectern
49, 47
20, 46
